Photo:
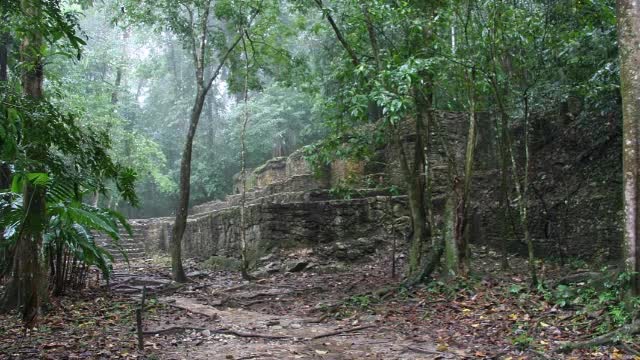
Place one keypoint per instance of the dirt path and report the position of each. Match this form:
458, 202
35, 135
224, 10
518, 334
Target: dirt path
323, 312
285, 316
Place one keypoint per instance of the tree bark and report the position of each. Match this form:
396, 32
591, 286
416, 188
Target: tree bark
458, 256
629, 43
412, 171
182, 210
343, 41
4, 57
185, 178
27, 288
244, 268
5, 171
116, 86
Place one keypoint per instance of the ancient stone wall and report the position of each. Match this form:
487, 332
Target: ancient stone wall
575, 197
448, 142
272, 225
288, 206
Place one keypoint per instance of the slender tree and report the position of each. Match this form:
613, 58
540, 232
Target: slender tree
629, 43
199, 34
243, 168
198, 40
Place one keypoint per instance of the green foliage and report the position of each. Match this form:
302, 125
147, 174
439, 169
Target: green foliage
67, 152
342, 191
362, 302
596, 296
522, 341
70, 224
56, 25
516, 289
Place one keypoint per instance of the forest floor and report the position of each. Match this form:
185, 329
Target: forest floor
325, 312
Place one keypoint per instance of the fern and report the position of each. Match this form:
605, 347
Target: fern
70, 225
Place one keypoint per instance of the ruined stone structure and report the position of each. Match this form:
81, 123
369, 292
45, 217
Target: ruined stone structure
286, 207
289, 206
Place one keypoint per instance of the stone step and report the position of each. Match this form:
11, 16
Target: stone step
117, 255
117, 248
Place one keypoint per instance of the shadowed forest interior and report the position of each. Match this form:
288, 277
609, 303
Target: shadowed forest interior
322, 179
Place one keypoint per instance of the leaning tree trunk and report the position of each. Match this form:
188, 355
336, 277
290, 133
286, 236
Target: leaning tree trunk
629, 43
185, 188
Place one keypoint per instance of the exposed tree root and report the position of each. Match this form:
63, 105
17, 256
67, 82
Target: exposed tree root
250, 335
630, 350
171, 330
226, 331
429, 265
343, 331
606, 339
580, 277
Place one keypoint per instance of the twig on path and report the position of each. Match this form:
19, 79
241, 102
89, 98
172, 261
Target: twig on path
139, 311
256, 302
343, 331
317, 320
167, 289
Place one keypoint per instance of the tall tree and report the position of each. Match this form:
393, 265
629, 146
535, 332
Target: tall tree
26, 288
629, 43
193, 21
5, 42
42, 24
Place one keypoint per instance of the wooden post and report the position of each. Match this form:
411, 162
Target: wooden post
139, 311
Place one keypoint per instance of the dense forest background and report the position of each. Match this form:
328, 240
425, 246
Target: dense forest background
136, 82
508, 114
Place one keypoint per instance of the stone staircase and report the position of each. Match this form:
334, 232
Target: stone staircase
133, 245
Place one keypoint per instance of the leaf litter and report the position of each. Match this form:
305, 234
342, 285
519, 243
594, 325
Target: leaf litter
321, 313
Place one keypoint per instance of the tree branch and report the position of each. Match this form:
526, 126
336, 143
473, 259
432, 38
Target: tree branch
336, 30
226, 55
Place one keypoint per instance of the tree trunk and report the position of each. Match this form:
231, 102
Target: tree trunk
524, 197
4, 57
199, 62
116, 86
458, 251
5, 171
412, 171
244, 268
27, 288
182, 210
629, 43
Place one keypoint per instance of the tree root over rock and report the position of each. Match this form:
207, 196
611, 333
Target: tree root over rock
343, 331
610, 338
225, 331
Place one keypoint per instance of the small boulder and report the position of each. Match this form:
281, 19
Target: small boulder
296, 265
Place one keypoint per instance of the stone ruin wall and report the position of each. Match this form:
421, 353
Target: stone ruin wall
288, 206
